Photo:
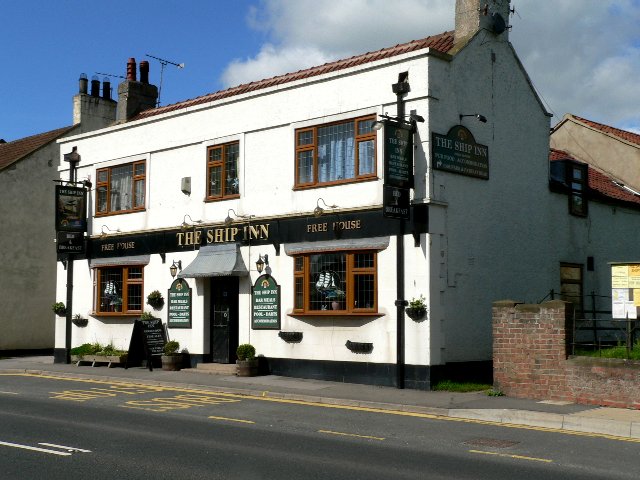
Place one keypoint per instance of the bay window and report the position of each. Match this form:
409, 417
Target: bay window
335, 282
119, 290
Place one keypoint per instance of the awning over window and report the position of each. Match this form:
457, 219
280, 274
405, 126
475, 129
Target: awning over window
374, 243
216, 261
118, 261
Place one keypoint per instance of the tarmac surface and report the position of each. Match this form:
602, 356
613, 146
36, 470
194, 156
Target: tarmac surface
569, 417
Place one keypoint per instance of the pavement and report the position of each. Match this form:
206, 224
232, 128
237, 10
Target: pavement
476, 406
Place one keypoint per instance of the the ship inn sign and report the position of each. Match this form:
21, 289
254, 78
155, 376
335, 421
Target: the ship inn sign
458, 152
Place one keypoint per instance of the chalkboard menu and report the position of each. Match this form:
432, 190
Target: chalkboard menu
265, 304
147, 342
179, 305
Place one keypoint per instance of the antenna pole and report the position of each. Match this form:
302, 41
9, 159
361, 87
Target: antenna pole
163, 63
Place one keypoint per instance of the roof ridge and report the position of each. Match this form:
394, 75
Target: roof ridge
442, 42
618, 132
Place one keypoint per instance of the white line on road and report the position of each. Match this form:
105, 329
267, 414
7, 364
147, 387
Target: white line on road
69, 449
9, 393
35, 449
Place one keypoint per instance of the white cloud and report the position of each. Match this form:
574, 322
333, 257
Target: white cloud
583, 56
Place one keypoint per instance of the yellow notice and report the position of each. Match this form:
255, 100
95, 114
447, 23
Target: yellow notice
636, 297
620, 270
634, 270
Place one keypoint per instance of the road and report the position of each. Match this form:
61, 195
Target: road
59, 428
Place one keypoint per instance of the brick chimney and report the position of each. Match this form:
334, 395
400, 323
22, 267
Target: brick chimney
135, 96
90, 110
474, 15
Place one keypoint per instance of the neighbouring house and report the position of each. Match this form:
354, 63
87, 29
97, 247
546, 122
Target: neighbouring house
284, 213
28, 168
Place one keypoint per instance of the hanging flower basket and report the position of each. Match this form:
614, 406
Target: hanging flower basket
155, 300
416, 313
59, 309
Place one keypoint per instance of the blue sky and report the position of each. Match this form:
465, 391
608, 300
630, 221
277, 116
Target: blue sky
583, 56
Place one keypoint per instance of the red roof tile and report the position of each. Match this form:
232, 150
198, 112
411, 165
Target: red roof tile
441, 43
599, 182
625, 135
11, 152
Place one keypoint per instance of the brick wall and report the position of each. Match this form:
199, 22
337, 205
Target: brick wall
530, 359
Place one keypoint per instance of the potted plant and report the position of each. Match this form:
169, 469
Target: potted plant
246, 364
417, 308
172, 358
336, 296
79, 321
155, 300
59, 309
116, 303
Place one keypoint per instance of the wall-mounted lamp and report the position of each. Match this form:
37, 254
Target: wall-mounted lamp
318, 211
480, 118
104, 234
175, 266
413, 119
263, 260
228, 221
185, 225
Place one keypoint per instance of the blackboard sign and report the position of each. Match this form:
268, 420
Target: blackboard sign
147, 342
179, 305
265, 304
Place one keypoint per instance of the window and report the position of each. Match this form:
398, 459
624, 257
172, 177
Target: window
119, 290
222, 171
336, 152
577, 178
120, 189
335, 282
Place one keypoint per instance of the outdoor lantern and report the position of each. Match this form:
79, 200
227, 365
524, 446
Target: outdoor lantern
260, 263
174, 268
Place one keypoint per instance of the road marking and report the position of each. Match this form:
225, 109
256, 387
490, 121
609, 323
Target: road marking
9, 393
178, 402
36, 449
350, 435
324, 405
517, 457
64, 447
232, 419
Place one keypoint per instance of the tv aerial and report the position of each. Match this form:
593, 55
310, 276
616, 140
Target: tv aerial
163, 63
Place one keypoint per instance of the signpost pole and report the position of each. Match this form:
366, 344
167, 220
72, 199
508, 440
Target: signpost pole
73, 158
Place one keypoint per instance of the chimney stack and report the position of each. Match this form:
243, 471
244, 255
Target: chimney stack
474, 15
134, 96
89, 110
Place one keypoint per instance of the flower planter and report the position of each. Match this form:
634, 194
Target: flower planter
110, 360
172, 362
247, 368
80, 322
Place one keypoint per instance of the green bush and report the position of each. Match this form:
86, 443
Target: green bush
246, 351
171, 348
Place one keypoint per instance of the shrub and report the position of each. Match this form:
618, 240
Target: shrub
171, 348
246, 351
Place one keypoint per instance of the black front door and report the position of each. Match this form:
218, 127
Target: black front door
224, 319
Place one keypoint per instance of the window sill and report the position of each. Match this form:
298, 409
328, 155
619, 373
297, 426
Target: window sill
335, 313
221, 199
115, 314
308, 186
119, 212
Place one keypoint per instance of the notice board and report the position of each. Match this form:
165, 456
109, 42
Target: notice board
147, 342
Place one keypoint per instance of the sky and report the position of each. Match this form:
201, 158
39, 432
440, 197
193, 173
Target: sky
583, 56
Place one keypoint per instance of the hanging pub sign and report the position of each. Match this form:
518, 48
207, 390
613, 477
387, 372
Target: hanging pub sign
398, 154
179, 304
71, 209
396, 202
147, 343
458, 152
265, 304
70, 242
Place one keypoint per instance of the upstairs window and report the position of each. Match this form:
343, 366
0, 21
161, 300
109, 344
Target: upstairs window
222, 171
336, 153
577, 179
120, 189
335, 283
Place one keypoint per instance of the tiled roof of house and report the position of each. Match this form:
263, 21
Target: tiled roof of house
441, 43
599, 182
11, 152
625, 135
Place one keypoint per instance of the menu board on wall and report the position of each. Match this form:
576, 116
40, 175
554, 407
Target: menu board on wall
179, 305
265, 304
